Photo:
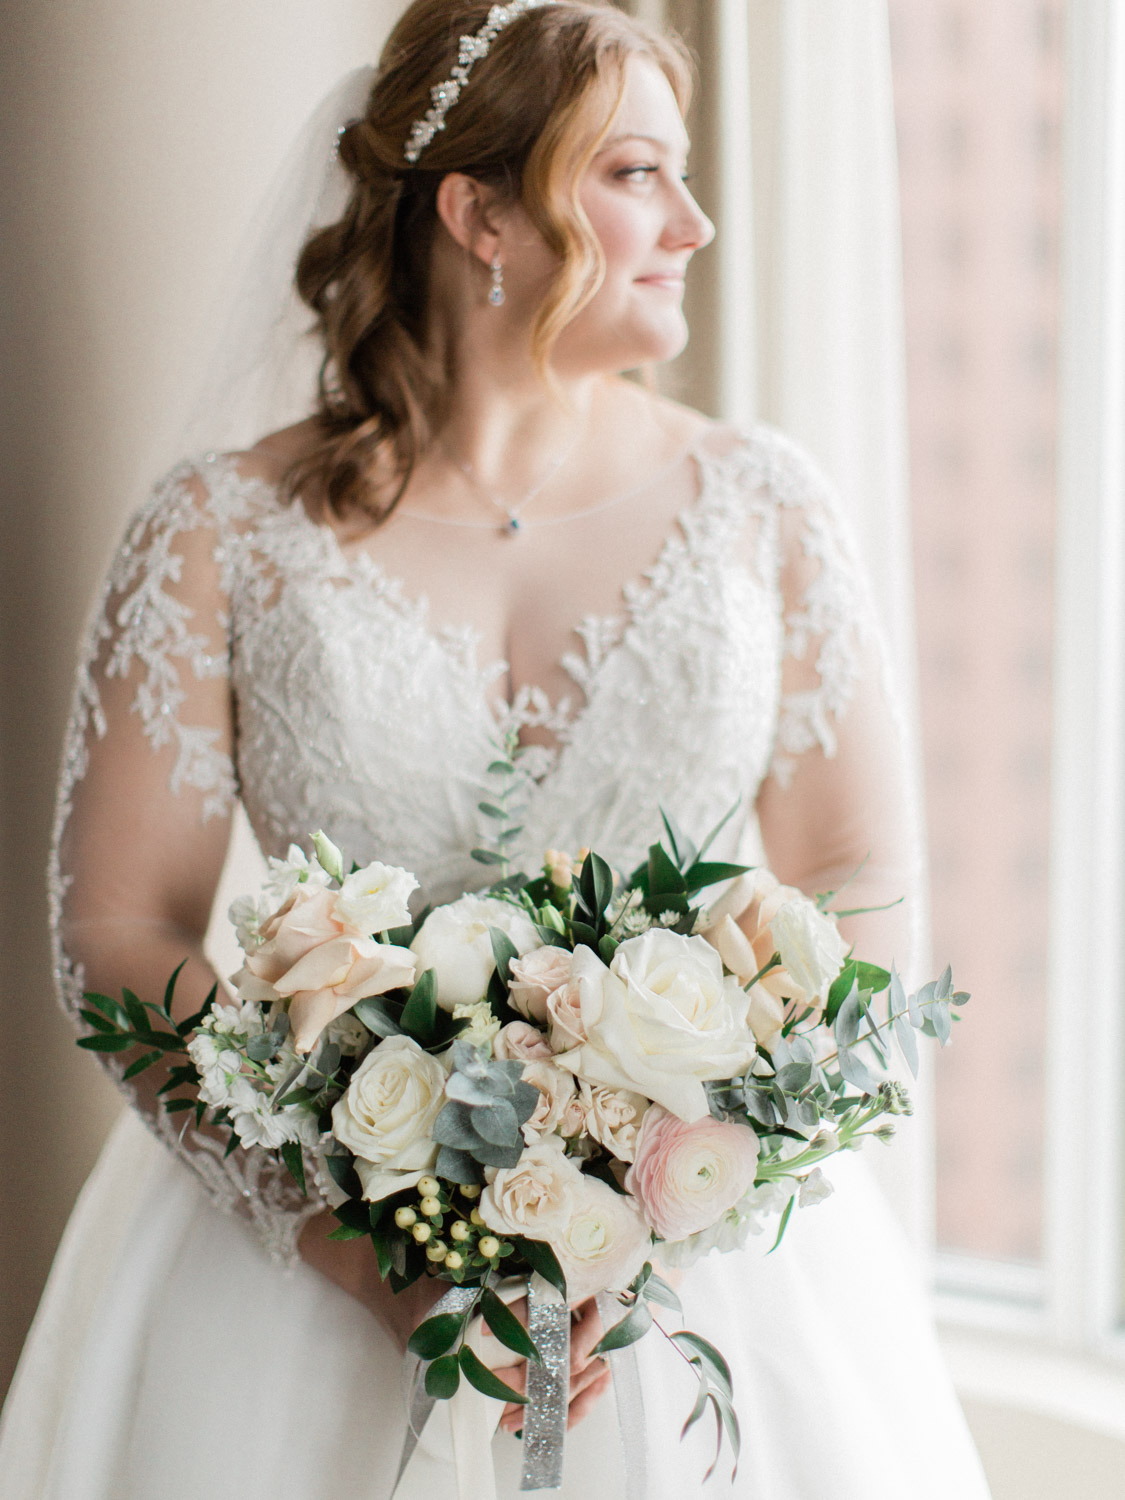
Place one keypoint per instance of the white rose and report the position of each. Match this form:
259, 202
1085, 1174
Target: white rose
660, 1020
809, 943
375, 898
536, 1197
605, 1241
556, 1089
387, 1115
483, 1025
535, 977
454, 941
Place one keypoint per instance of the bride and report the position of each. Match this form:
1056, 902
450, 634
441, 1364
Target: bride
479, 528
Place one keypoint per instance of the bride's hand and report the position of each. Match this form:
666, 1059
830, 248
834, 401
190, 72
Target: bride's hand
589, 1374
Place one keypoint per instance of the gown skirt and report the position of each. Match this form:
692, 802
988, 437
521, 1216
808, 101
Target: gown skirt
172, 1360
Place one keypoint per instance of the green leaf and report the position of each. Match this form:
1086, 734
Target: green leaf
490, 810
607, 947
663, 876
487, 856
784, 1225
456, 1165
443, 1377
384, 1253
501, 768
719, 826
99, 1022
596, 884
503, 951
633, 1326
839, 992
540, 1257
507, 1327
135, 1010
436, 1335
872, 977
718, 1371
102, 1043
376, 1014
189, 1023
420, 1010
346, 1232
702, 874
141, 1064
583, 933
294, 1160
481, 1376
700, 1402
344, 1174
173, 1106
683, 850
657, 1290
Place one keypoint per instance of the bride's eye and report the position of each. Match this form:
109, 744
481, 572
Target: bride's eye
635, 174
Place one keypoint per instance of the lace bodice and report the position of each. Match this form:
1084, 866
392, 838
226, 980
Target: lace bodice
251, 656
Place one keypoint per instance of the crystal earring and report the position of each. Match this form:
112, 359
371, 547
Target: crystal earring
496, 290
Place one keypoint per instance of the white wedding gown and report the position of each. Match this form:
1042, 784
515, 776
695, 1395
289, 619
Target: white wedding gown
181, 1351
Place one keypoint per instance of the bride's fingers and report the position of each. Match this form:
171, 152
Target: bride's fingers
585, 1331
588, 1397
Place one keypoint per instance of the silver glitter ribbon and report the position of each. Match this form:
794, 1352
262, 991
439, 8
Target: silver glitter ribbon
630, 1404
419, 1402
548, 1387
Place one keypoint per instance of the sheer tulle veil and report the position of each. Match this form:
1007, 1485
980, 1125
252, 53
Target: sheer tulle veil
261, 369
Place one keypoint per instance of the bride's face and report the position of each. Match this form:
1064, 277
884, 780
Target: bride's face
649, 225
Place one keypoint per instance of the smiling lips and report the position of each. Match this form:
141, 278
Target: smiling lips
672, 281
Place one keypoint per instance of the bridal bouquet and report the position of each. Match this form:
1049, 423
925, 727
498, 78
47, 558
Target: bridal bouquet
562, 1080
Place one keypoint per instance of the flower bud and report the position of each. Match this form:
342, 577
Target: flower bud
428, 1187
405, 1217
459, 1230
430, 1207
489, 1247
421, 1233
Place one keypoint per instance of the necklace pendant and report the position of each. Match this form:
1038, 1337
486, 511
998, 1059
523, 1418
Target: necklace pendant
511, 526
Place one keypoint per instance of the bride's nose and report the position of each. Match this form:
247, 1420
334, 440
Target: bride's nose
688, 227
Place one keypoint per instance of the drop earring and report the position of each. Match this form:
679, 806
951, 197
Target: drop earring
496, 290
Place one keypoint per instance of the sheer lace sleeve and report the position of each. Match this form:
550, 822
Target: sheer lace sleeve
836, 798
145, 801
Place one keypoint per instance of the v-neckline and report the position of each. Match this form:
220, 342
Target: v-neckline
529, 703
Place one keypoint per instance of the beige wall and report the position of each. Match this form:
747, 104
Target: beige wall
136, 138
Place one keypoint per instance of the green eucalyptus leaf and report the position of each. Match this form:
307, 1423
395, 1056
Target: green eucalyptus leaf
656, 1289
783, 1226
718, 1371
497, 1124
458, 1166
633, 1326
487, 857
490, 810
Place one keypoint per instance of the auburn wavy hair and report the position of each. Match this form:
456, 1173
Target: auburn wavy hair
529, 121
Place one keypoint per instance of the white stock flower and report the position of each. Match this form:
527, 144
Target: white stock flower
660, 1020
604, 1242
809, 942
454, 941
759, 1209
814, 1189
376, 898
285, 875
387, 1115
483, 1025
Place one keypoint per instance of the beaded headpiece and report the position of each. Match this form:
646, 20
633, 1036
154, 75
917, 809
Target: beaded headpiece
469, 51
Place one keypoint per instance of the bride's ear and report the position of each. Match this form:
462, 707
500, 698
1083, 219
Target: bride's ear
469, 211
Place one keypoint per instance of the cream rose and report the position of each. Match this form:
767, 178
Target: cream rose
533, 979
536, 1197
660, 1020
564, 1016
454, 941
519, 1040
605, 1241
556, 1089
375, 898
387, 1116
613, 1117
686, 1176
318, 962
810, 945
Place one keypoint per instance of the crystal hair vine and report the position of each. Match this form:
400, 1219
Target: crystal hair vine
470, 50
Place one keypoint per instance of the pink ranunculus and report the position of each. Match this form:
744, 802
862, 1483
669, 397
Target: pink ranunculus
519, 1040
686, 1176
534, 976
321, 964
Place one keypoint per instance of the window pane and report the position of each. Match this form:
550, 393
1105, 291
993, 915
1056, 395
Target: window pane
978, 97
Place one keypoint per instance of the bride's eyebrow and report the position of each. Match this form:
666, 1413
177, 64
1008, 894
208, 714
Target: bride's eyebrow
653, 140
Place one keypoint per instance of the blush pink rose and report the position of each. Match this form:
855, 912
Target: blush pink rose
686, 1176
519, 1040
534, 976
564, 1017
320, 963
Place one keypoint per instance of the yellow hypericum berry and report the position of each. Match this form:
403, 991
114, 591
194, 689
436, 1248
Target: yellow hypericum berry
430, 1206
428, 1187
489, 1246
437, 1251
404, 1217
475, 1216
421, 1233
454, 1261
459, 1230
470, 1190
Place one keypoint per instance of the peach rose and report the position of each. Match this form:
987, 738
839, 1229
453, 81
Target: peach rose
320, 963
686, 1176
604, 1242
556, 1089
536, 1197
613, 1118
519, 1040
564, 1017
534, 976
